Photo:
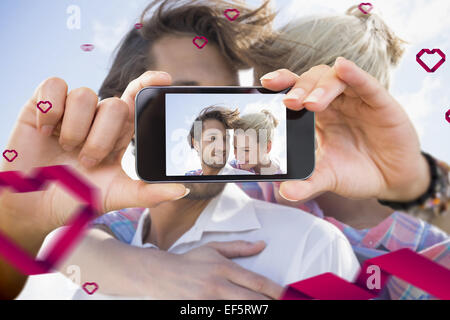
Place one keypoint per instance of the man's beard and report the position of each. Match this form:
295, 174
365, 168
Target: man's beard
204, 191
215, 162
214, 165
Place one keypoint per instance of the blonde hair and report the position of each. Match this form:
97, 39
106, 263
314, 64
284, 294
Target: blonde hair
259, 120
304, 43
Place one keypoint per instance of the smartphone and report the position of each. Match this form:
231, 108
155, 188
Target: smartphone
221, 134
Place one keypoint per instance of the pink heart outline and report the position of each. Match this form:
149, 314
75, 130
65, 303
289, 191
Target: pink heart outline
87, 47
428, 51
86, 284
232, 10
361, 5
44, 102
78, 187
200, 38
10, 151
447, 116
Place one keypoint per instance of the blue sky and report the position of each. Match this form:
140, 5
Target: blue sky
37, 44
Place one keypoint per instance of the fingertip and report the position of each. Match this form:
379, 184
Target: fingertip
314, 107
293, 104
261, 243
270, 76
269, 84
170, 191
339, 60
164, 76
158, 78
273, 81
294, 98
342, 66
343, 62
181, 193
285, 190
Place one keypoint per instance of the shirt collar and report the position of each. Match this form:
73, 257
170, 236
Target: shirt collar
230, 211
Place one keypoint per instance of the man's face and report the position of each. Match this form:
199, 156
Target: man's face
190, 66
214, 146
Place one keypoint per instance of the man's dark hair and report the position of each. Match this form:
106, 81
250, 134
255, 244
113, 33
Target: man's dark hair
180, 17
224, 115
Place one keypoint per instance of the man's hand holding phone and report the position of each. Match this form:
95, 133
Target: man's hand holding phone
92, 137
89, 136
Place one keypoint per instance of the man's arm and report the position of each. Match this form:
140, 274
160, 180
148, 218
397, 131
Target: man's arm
202, 273
26, 236
112, 264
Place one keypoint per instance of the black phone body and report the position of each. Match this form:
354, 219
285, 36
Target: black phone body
158, 110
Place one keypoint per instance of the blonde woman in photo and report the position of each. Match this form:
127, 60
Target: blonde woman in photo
253, 138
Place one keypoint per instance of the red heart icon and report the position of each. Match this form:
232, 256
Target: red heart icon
232, 14
138, 26
200, 42
10, 155
362, 7
90, 287
428, 51
447, 116
57, 250
44, 106
87, 47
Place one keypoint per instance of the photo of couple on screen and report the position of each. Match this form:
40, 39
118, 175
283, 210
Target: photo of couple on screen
225, 139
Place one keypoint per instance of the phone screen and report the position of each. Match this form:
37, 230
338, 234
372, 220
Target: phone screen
209, 134
225, 134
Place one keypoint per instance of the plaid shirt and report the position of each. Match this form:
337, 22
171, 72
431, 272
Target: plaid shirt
197, 172
400, 230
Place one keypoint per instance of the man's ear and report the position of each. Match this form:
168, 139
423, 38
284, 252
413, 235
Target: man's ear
196, 145
269, 146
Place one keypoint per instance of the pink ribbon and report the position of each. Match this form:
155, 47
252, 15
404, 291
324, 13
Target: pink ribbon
78, 187
404, 264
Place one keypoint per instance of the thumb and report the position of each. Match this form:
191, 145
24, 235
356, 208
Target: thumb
238, 248
131, 193
319, 182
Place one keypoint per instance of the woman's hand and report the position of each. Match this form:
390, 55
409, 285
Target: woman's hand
367, 146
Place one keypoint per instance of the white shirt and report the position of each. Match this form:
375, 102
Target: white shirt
299, 245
